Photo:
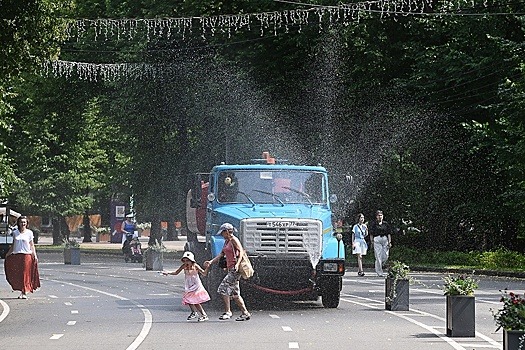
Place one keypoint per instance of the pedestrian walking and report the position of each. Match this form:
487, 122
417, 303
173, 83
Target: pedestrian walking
229, 287
359, 246
381, 238
21, 263
194, 292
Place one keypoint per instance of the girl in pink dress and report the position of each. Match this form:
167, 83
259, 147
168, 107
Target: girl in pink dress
194, 292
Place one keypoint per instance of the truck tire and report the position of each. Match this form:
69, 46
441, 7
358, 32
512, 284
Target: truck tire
213, 279
332, 292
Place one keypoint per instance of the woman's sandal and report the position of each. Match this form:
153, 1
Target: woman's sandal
243, 317
225, 316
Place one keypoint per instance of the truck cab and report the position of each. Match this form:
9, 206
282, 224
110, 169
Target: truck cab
284, 221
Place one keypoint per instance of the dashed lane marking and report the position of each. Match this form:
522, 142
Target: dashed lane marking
148, 318
432, 329
71, 323
287, 329
56, 336
293, 345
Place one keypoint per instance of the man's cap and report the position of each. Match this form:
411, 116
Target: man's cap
189, 256
225, 227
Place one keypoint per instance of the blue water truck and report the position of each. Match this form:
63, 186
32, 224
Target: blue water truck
284, 220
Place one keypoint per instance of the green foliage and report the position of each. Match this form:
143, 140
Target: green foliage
433, 106
459, 285
70, 243
398, 270
501, 259
512, 315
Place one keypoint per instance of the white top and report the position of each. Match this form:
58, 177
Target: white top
21, 241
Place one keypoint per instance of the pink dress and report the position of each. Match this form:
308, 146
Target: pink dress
194, 292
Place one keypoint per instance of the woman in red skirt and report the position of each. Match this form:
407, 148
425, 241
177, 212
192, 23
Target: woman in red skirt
21, 268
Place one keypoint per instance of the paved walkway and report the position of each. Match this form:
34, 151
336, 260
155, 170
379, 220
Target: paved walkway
172, 246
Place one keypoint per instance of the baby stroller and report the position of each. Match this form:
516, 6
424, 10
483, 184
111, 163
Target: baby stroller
132, 249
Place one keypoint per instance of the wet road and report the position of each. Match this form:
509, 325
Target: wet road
107, 303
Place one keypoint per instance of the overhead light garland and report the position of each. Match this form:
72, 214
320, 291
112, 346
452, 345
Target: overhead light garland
273, 22
128, 29
105, 72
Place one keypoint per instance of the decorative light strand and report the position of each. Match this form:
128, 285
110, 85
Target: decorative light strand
128, 29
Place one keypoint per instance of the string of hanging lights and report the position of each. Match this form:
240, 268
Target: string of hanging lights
266, 22
128, 29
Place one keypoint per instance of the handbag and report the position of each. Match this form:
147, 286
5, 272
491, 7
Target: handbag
245, 267
222, 262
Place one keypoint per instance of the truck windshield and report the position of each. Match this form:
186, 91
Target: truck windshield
272, 186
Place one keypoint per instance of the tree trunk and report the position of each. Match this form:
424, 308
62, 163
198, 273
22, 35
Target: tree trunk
87, 228
155, 236
60, 229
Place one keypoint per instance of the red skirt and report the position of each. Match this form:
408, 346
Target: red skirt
21, 272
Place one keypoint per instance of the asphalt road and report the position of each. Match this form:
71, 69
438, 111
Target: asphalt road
106, 303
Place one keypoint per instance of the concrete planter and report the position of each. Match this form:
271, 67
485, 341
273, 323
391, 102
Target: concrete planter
461, 316
72, 256
398, 299
102, 237
513, 340
153, 260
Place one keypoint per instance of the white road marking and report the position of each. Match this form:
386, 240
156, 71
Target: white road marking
53, 297
71, 323
148, 319
287, 329
5, 310
432, 329
159, 294
476, 346
67, 303
74, 311
56, 336
274, 316
293, 345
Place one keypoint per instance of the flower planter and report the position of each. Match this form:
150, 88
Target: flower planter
153, 260
72, 256
512, 340
461, 316
102, 237
397, 300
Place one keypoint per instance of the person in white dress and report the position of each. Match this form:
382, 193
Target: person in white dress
194, 292
359, 246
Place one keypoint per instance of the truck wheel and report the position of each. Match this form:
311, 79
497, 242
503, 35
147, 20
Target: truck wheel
332, 293
213, 279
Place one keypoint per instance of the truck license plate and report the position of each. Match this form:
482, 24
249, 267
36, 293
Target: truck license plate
273, 224
330, 267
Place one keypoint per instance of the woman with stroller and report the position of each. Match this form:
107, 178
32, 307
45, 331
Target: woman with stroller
128, 227
194, 292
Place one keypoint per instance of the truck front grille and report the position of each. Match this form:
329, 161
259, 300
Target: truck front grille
281, 237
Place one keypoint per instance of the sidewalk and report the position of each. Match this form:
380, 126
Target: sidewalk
45, 244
